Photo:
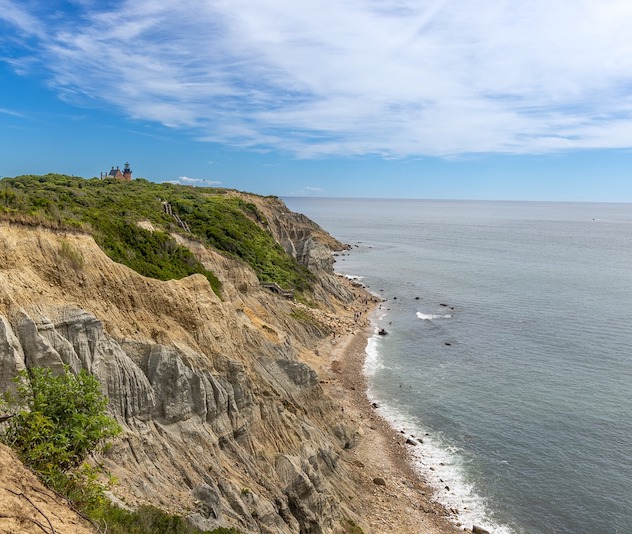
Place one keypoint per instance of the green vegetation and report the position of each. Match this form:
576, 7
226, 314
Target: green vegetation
71, 255
58, 421
110, 210
305, 317
349, 526
150, 520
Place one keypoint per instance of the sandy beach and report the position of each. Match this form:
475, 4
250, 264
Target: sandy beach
402, 503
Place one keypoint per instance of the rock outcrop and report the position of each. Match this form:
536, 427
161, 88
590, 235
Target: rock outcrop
224, 421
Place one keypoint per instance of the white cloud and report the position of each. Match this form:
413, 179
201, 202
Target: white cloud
307, 191
202, 182
17, 14
390, 77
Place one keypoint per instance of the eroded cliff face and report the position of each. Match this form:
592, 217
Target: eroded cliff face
223, 419
307, 242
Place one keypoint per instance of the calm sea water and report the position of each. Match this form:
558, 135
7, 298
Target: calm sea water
515, 364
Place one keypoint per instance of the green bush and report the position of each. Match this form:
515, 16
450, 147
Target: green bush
59, 420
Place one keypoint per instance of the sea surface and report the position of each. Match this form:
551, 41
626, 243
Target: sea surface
509, 351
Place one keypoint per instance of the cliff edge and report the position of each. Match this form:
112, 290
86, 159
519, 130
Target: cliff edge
224, 420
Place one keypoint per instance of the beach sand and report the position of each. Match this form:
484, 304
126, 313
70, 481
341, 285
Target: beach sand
402, 504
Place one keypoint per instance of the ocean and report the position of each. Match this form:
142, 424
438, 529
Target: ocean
508, 354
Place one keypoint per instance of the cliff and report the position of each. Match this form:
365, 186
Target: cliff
26, 506
224, 419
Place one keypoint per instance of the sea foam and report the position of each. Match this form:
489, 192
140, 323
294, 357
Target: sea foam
431, 316
372, 361
439, 463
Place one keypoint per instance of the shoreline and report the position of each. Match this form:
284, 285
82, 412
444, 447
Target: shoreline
395, 497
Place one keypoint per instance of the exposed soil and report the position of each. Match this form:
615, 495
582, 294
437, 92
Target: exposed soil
26, 506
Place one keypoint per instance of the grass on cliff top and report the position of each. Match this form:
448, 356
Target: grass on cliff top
110, 210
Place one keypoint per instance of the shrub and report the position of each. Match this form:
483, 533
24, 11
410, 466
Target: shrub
59, 420
72, 255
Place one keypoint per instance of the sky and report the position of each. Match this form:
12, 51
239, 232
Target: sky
485, 99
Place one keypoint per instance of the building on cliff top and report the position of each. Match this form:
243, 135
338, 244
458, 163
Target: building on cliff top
126, 175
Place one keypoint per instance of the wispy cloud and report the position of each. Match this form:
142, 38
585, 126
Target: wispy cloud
12, 113
201, 182
389, 77
20, 15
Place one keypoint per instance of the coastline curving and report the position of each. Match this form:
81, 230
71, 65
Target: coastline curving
244, 411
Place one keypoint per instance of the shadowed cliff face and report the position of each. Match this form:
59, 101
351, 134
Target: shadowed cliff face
222, 419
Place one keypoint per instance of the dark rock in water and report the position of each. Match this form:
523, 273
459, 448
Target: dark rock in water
447, 488
374, 404
448, 344
411, 442
382, 332
479, 530
416, 298
379, 481
394, 298
443, 305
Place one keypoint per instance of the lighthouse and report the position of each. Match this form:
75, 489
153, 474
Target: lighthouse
127, 173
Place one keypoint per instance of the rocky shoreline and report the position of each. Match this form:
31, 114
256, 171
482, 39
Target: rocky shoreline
393, 496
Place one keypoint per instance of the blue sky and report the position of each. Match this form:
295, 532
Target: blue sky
486, 99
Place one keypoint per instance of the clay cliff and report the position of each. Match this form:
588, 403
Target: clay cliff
225, 420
